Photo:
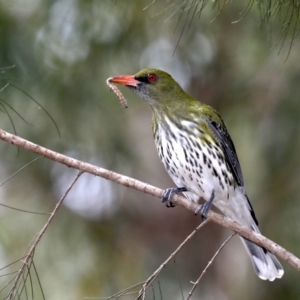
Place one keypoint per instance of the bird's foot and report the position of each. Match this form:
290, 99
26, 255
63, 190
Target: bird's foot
169, 193
204, 208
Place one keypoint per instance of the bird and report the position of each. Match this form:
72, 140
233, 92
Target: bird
198, 153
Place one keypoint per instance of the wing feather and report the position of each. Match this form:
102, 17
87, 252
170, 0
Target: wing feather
221, 133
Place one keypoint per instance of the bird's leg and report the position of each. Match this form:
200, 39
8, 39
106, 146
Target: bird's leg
169, 193
204, 209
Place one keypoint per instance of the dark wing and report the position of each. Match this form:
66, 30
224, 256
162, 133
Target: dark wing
220, 131
224, 138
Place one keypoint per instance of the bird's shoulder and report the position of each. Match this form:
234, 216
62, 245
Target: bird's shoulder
219, 130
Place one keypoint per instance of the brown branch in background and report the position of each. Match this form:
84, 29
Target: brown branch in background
29, 257
154, 191
142, 292
208, 265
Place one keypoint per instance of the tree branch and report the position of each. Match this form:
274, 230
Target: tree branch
208, 265
29, 256
154, 191
142, 293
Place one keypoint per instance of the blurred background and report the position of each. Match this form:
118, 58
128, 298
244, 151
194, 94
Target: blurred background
107, 237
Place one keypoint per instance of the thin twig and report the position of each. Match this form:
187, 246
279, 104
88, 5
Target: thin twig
142, 292
21, 169
36, 102
28, 259
120, 294
154, 191
208, 265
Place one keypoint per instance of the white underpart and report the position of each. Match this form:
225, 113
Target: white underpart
229, 198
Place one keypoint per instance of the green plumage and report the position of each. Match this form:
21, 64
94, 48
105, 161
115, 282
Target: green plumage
194, 145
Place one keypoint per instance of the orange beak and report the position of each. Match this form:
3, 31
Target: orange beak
127, 80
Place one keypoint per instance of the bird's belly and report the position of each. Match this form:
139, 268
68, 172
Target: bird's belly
196, 167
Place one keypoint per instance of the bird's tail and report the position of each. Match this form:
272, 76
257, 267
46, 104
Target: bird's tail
265, 264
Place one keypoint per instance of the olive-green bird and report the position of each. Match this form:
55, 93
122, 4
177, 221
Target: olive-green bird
198, 153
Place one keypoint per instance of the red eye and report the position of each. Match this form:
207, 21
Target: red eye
152, 77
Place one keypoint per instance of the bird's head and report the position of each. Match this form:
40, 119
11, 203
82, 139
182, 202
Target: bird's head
156, 87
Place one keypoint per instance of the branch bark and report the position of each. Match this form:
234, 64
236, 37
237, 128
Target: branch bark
151, 190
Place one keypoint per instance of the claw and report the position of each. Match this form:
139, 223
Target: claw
169, 193
204, 208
